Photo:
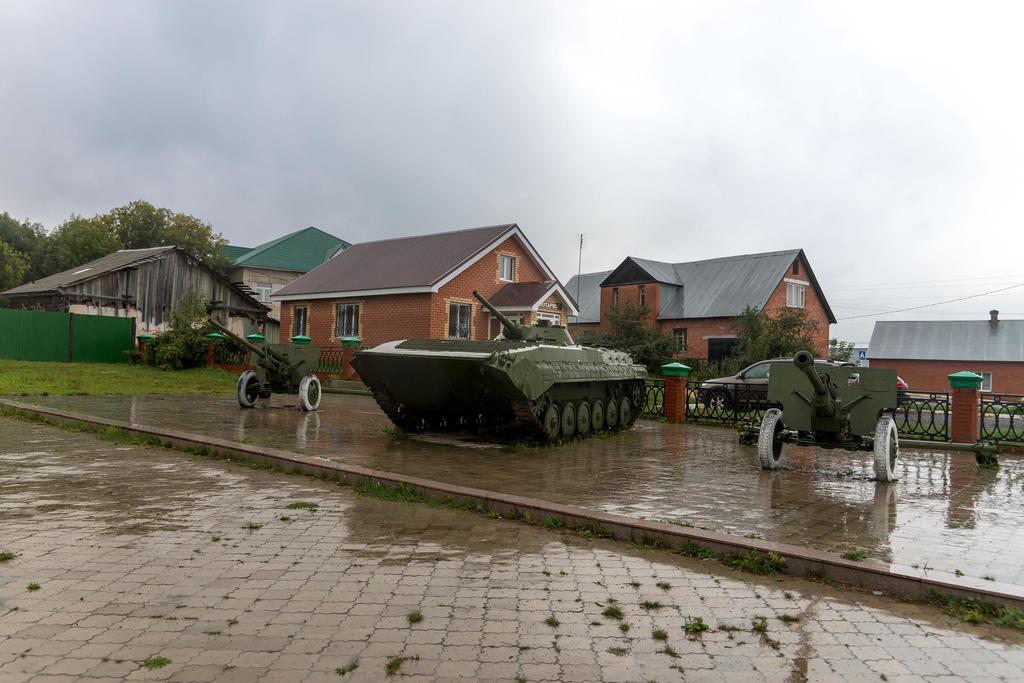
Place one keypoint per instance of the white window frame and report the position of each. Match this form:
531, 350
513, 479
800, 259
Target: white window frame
459, 308
338, 331
263, 290
796, 295
517, 318
679, 334
509, 261
555, 318
986, 380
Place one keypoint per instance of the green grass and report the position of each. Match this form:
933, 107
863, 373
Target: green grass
156, 662
975, 611
303, 505
692, 549
663, 585
651, 604
855, 555
415, 617
29, 378
552, 622
753, 562
612, 612
6, 555
659, 634
788, 618
33, 586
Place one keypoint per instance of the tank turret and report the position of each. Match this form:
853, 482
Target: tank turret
542, 332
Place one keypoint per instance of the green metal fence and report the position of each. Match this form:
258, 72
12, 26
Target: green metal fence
47, 336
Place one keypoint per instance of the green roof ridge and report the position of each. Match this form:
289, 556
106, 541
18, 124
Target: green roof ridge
291, 256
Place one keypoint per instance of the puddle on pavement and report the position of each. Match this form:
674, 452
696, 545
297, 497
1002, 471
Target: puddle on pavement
945, 513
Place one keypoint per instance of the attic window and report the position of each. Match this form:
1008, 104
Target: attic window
796, 267
77, 272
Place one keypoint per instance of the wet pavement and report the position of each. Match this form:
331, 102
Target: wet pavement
945, 513
148, 555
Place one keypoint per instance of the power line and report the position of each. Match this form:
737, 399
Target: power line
937, 303
923, 282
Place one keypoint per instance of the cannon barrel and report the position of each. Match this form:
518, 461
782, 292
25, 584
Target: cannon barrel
805, 361
263, 352
512, 330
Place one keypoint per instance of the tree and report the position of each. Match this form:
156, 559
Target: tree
13, 267
840, 350
25, 238
629, 331
764, 336
139, 224
74, 242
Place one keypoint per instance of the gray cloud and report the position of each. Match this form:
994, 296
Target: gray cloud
884, 140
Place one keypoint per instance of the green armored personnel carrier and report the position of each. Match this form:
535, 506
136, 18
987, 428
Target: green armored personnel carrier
533, 379
830, 407
280, 369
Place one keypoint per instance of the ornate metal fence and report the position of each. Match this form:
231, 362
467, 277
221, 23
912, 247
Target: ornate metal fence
1002, 417
654, 406
923, 416
330, 361
707, 401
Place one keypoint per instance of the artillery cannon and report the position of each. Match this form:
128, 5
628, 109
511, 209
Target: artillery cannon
830, 407
280, 369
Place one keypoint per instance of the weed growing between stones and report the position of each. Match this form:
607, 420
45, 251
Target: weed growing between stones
303, 505
348, 668
552, 523
612, 612
664, 585
855, 555
415, 617
395, 663
788, 618
659, 634
6, 555
33, 587
695, 626
156, 662
651, 604
701, 552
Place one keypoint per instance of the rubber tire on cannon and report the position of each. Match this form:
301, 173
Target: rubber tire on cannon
247, 389
886, 449
769, 446
309, 392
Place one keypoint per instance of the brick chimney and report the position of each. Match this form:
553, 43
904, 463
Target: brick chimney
993, 318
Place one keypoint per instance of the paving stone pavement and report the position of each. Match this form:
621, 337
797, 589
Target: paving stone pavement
945, 513
142, 553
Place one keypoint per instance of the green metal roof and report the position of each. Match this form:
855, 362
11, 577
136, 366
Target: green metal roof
300, 251
233, 252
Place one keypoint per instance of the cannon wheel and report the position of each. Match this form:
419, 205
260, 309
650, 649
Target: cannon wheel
247, 389
309, 392
583, 419
887, 449
769, 447
597, 415
611, 414
568, 419
552, 422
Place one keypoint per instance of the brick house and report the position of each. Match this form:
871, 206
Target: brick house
926, 352
421, 286
696, 302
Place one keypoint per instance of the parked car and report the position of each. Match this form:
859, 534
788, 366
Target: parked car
748, 388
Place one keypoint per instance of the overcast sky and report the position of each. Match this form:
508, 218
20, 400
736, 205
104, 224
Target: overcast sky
883, 139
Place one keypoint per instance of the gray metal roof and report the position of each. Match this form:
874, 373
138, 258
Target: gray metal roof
966, 340
589, 299
714, 288
122, 258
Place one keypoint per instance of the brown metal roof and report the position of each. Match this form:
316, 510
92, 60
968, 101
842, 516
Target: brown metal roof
400, 263
521, 294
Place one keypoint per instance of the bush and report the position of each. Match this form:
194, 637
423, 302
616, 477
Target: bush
630, 331
184, 345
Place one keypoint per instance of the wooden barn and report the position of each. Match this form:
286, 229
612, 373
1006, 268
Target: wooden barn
145, 284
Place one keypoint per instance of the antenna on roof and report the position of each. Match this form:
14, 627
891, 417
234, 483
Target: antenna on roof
579, 271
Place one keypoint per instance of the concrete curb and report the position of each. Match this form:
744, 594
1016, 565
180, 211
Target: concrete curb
800, 562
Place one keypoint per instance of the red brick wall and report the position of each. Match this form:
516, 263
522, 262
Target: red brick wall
933, 375
401, 316
483, 277
699, 329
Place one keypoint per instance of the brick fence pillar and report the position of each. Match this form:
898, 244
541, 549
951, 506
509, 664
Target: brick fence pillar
676, 379
966, 387
349, 346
